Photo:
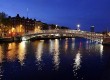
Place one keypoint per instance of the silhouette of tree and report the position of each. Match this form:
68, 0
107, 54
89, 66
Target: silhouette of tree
3, 18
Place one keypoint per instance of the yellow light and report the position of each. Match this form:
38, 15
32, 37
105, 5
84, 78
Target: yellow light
20, 25
38, 27
13, 29
9, 32
22, 52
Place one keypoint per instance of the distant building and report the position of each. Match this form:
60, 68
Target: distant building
21, 25
92, 28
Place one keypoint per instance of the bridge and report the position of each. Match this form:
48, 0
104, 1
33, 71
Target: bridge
58, 33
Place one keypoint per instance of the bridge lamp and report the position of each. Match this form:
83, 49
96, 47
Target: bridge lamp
56, 26
78, 27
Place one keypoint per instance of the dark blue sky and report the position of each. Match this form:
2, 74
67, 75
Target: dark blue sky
62, 12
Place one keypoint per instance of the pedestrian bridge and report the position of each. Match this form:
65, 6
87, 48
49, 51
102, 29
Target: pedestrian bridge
48, 34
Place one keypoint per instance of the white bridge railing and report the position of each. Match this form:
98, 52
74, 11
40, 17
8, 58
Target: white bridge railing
84, 34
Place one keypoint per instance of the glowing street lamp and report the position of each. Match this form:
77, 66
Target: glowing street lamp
13, 29
56, 26
78, 27
20, 29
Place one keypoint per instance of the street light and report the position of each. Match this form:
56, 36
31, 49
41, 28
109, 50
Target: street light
20, 30
78, 27
56, 26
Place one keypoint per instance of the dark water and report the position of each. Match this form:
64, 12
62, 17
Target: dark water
59, 59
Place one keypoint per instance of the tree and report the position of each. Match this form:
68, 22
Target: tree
3, 17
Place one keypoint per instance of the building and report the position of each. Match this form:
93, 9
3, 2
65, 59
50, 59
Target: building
21, 25
92, 28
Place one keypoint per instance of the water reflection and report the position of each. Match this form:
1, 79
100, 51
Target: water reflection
101, 50
77, 63
56, 55
22, 52
1, 60
51, 46
1, 73
73, 43
11, 52
39, 54
1, 54
66, 44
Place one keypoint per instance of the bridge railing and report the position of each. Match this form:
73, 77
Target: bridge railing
76, 32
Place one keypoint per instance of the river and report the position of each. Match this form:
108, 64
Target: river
57, 59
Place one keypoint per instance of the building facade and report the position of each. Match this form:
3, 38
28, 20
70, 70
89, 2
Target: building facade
21, 25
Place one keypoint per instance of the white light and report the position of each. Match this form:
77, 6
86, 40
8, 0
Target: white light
57, 35
77, 63
56, 54
78, 25
24, 39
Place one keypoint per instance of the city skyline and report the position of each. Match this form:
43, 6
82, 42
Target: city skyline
62, 12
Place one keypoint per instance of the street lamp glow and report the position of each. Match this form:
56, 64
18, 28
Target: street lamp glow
78, 25
56, 26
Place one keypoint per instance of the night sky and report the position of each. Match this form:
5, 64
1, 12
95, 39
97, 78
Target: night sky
62, 12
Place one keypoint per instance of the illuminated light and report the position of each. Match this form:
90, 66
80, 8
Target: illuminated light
51, 34
39, 54
56, 55
57, 34
1, 55
77, 61
51, 46
73, 43
13, 29
24, 39
22, 52
20, 25
38, 27
11, 54
66, 44
101, 50
39, 51
20, 29
78, 25
9, 32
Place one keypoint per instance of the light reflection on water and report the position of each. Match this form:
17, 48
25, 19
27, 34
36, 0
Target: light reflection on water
77, 60
51, 46
1, 60
55, 50
66, 44
39, 52
56, 55
73, 43
1, 54
11, 54
22, 52
101, 50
